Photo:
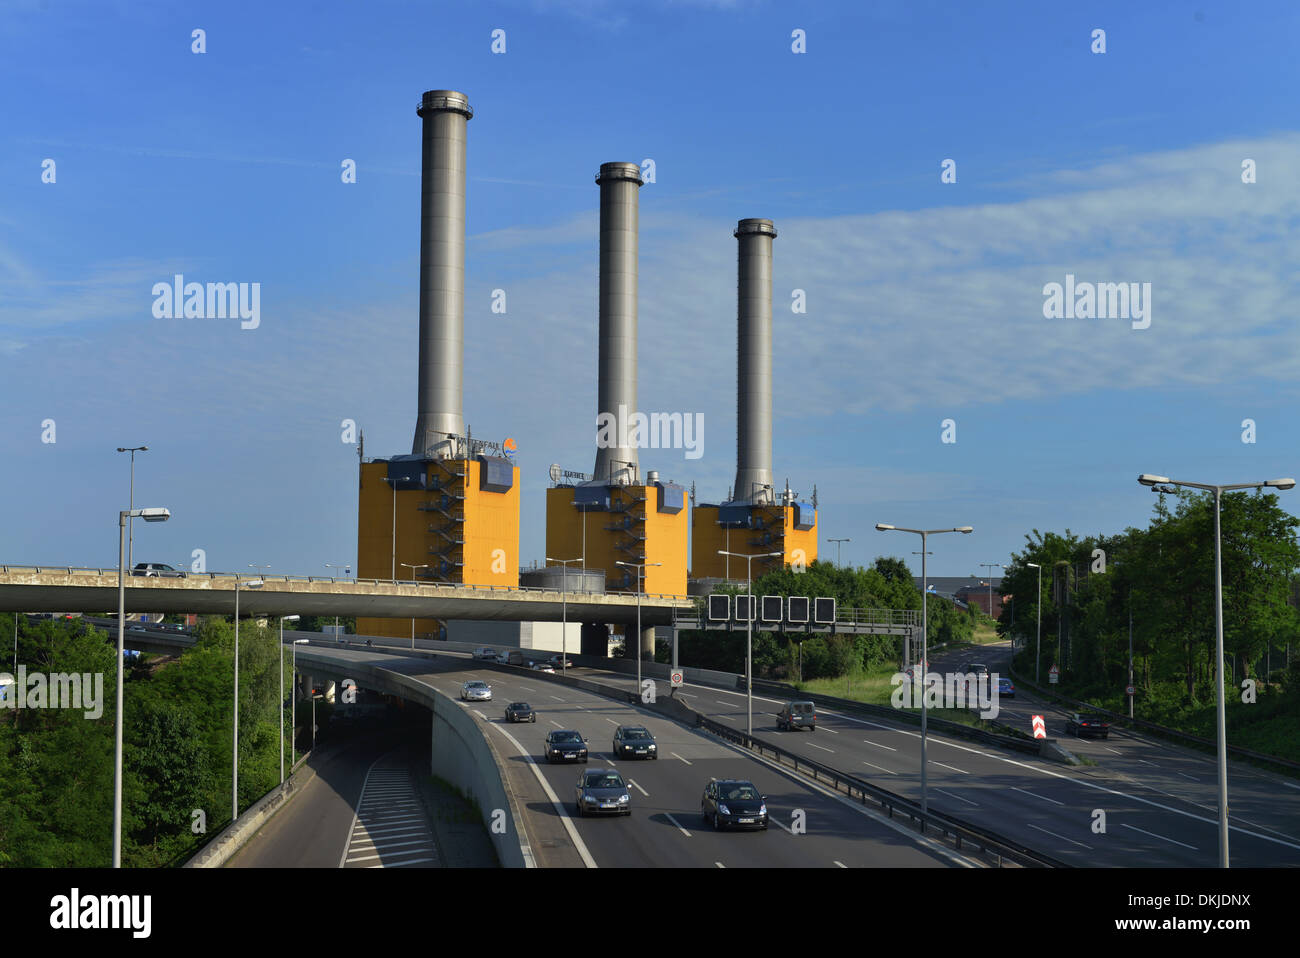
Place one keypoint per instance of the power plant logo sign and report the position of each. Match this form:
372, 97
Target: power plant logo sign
509, 448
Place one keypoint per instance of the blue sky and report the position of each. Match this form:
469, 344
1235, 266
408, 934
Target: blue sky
925, 299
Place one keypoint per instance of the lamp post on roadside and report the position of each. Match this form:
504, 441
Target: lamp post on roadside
1038, 647
283, 620
749, 633
991, 566
393, 485
234, 768
413, 567
925, 629
640, 570
1165, 484
347, 568
130, 527
837, 549
148, 515
293, 698
564, 609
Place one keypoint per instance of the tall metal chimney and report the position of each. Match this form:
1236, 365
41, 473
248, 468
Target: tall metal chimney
619, 183
754, 361
442, 267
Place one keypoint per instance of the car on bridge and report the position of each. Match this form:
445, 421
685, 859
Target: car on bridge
566, 745
520, 712
158, 570
476, 690
733, 803
485, 653
602, 792
1087, 723
631, 741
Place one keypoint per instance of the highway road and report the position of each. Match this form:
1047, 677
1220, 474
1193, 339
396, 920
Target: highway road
1158, 799
812, 826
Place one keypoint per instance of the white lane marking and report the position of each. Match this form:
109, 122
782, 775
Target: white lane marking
528, 688
1145, 762
1193, 777
727, 704
1041, 798
687, 695
1109, 749
823, 748
557, 698
675, 755
555, 801
421, 842
720, 865
679, 827
878, 745
638, 788
841, 864
885, 770
555, 723
827, 728
954, 768
1289, 785
348, 841
413, 861
480, 715
611, 721
1061, 837
1086, 784
1154, 835
773, 820
958, 797
400, 833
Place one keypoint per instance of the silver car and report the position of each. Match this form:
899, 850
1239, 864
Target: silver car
602, 792
476, 691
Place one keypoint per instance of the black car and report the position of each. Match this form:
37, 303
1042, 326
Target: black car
1088, 723
732, 803
566, 745
632, 741
157, 569
602, 791
520, 712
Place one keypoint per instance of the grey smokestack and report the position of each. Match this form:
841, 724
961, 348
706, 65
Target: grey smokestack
754, 360
442, 267
619, 183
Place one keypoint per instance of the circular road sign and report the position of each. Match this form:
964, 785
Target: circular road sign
677, 677
1129, 690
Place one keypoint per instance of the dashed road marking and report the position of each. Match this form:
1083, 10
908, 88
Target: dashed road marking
1161, 837
1041, 798
1061, 837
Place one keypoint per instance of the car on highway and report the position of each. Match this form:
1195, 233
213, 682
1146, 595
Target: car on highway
476, 690
542, 667
566, 745
520, 712
602, 791
483, 652
795, 715
157, 569
137, 628
1006, 689
1087, 723
631, 741
503, 658
557, 661
733, 803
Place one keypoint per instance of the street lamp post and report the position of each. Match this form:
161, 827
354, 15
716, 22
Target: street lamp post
925, 629
749, 633
293, 698
346, 569
234, 768
130, 527
148, 515
283, 620
413, 567
991, 566
564, 610
837, 549
1038, 647
393, 485
640, 570
1165, 484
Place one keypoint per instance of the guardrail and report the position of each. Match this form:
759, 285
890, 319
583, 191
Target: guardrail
1162, 730
1003, 849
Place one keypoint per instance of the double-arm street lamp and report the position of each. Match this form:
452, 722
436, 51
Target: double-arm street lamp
838, 543
1038, 647
1165, 484
564, 610
749, 631
412, 566
130, 528
148, 515
640, 571
925, 628
283, 620
234, 768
